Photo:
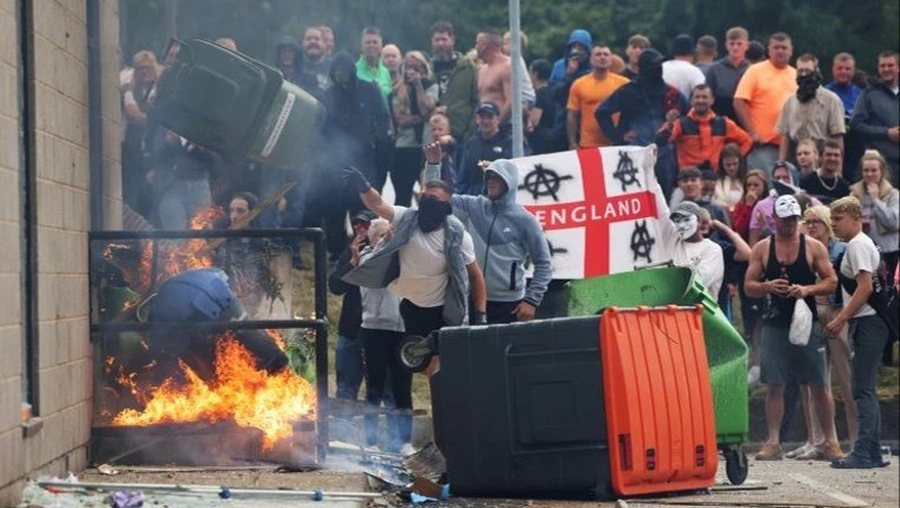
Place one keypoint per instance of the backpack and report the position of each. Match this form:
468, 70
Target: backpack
884, 293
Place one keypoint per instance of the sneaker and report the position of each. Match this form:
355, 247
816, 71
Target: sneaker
407, 449
830, 450
800, 450
813, 454
853, 462
753, 376
770, 451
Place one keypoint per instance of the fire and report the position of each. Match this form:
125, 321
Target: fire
241, 393
277, 338
174, 257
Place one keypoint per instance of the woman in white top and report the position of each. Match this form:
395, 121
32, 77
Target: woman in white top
730, 186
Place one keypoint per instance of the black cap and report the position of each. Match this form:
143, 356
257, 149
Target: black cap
709, 174
488, 107
683, 45
363, 216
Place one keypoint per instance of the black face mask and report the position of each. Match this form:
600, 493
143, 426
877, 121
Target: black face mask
807, 86
432, 212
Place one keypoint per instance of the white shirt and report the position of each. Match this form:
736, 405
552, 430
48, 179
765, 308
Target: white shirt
682, 75
705, 257
424, 272
861, 256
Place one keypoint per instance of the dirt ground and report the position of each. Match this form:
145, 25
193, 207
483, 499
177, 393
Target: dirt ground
783, 483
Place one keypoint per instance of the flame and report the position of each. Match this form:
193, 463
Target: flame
241, 393
277, 338
174, 256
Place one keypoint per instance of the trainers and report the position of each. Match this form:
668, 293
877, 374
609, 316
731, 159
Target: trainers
800, 450
407, 449
830, 450
853, 462
753, 376
770, 451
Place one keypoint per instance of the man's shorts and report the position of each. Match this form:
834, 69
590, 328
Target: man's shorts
782, 360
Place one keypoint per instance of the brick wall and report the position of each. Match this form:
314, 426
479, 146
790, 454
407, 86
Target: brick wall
63, 220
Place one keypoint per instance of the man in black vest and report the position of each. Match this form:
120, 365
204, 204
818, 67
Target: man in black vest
785, 267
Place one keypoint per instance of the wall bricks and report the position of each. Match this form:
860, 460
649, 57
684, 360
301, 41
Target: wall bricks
62, 164
11, 345
9, 143
12, 465
10, 311
10, 396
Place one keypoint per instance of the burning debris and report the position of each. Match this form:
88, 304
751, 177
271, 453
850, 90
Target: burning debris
241, 392
192, 357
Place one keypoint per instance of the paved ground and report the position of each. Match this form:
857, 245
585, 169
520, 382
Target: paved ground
784, 483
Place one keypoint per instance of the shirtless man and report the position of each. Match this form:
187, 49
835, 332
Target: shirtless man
494, 77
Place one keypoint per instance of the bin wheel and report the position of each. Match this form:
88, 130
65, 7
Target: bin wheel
415, 352
735, 465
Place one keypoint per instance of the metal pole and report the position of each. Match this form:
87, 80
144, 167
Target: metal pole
171, 19
517, 73
209, 489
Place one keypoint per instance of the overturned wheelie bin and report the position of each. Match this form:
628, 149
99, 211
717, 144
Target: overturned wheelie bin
725, 347
593, 407
236, 106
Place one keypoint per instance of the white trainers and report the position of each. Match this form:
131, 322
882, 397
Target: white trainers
753, 376
407, 449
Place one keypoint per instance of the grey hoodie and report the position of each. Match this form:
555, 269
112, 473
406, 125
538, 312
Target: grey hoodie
506, 238
380, 307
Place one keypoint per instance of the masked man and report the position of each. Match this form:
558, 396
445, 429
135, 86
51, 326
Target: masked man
813, 112
429, 263
642, 106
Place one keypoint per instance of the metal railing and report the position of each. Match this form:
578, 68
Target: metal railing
319, 322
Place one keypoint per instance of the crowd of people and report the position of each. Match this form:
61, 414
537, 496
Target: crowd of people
773, 186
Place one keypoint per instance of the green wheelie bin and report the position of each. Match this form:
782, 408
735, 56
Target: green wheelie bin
237, 106
726, 349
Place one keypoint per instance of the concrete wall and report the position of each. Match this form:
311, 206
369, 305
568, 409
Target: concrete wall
63, 220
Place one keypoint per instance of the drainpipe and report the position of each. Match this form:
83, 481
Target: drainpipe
95, 115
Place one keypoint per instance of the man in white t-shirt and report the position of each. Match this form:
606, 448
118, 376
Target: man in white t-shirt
681, 237
682, 240
680, 72
867, 331
436, 259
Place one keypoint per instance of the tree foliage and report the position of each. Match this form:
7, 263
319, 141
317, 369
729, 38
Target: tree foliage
821, 27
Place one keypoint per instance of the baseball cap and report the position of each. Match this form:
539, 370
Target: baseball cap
363, 216
787, 206
488, 107
686, 209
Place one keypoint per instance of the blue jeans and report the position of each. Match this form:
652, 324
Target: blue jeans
348, 366
867, 336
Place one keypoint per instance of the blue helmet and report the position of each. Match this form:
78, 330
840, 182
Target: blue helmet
194, 295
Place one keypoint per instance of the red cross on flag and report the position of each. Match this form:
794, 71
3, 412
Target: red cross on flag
595, 209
